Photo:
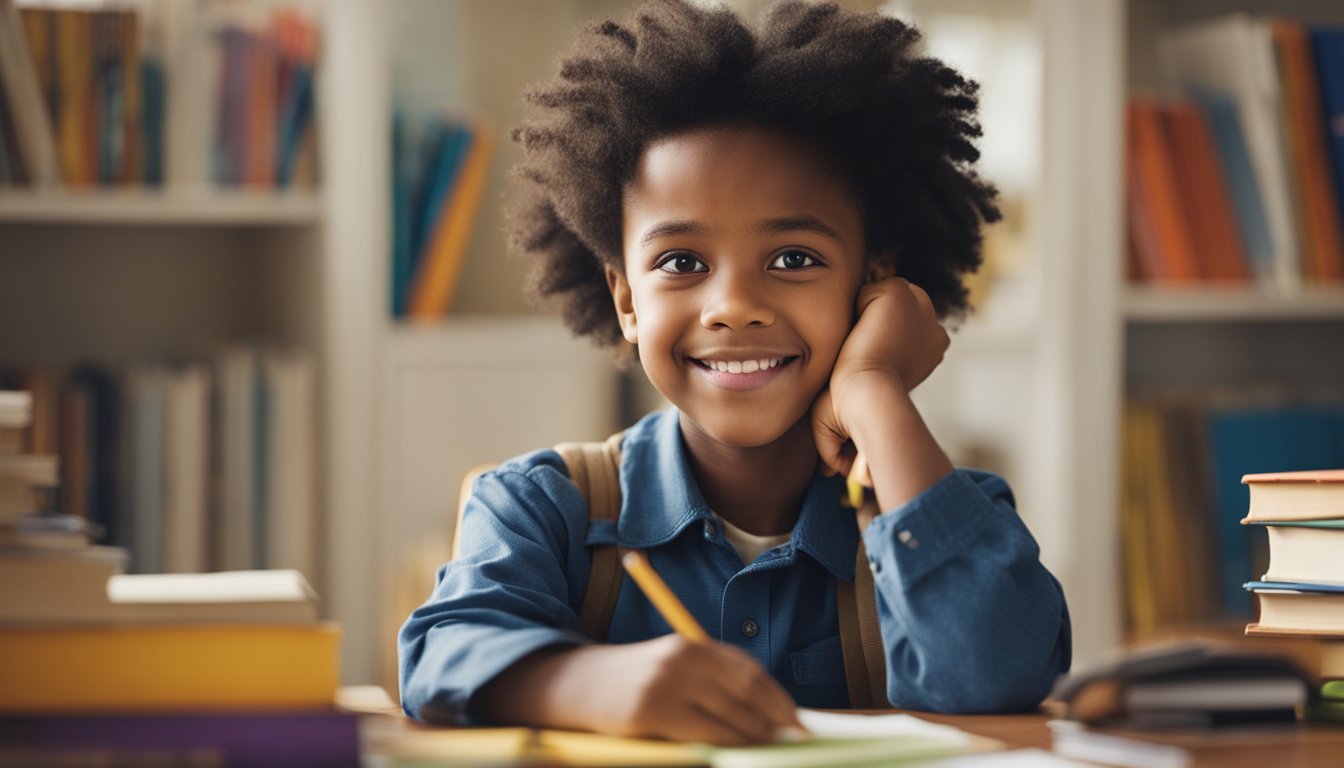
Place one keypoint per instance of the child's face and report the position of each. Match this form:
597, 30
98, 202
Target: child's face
741, 250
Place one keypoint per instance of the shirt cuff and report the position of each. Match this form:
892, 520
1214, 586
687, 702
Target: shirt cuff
935, 526
476, 669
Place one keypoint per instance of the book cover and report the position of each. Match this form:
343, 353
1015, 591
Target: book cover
1317, 205
1311, 552
326, 738
1327, 44
186, 470
158, 667
446, 251
1287, 605
1159, 193
25, 103
144, 528
1245, 440
237, 446
1239, 179
1204, 190
444, 146
297, 39
262, 118
291, 469
1234, 55
51, 585
1297, 495
75, 128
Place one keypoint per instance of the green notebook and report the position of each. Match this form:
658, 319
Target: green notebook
1328, 711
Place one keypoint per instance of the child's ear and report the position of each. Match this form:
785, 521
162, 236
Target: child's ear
880, 267
624, 302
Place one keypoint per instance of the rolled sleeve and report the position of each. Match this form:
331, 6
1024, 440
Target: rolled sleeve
488, 610
971, 620
941, 523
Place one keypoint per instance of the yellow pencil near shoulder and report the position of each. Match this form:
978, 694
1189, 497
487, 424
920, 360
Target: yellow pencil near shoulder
676, 615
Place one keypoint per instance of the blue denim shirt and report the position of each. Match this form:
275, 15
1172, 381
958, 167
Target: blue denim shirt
971, 620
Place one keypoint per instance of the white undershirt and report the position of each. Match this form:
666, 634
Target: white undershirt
749, 546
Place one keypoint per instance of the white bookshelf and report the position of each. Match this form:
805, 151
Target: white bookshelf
150, 207
1175, 305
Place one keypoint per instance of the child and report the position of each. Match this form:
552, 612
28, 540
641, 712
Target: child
772, 222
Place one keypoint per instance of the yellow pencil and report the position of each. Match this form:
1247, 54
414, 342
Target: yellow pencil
857, 481
662, 598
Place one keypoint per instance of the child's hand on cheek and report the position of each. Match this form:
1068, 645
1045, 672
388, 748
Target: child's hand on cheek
896, 343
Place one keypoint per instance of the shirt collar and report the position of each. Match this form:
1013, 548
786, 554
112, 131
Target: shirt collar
659, 498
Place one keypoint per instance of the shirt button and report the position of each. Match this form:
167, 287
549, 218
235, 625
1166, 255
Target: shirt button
750, 628
908, 539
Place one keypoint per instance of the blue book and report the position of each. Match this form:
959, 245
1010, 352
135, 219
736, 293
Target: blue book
295, 115
445, 165
1292, 586
152, 101
1230, 143
1328, 45
401, 215
1250, 441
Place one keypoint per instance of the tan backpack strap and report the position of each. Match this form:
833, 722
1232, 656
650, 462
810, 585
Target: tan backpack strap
860, 632
595, 468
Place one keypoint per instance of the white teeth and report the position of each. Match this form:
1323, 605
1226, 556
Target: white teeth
743, 366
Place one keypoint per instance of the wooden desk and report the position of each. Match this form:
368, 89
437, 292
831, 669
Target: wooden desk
1304, 745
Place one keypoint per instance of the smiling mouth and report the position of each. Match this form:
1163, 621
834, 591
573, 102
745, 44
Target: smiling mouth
744, 366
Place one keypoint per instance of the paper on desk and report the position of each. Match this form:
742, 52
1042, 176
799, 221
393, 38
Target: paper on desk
840, 725
851, 740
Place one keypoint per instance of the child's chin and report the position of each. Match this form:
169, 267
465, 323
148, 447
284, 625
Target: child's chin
747, 433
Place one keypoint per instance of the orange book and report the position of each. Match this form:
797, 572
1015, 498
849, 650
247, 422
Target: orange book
433, 287
1145, 252
261, 110
1158, 192
1218, 247
75, 125
1323, 242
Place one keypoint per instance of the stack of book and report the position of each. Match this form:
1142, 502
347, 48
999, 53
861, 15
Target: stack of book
37, 543
232, 666
1302, 593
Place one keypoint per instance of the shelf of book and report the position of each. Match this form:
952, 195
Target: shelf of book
1206, 304
140, 207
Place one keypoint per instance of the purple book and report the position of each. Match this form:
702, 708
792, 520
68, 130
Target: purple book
243, 739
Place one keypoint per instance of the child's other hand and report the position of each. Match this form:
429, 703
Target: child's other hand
896, 342
675, 689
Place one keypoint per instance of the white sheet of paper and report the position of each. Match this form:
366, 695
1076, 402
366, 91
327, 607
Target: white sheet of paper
1017, 758
839, 725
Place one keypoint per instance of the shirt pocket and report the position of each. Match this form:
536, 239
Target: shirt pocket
819, 664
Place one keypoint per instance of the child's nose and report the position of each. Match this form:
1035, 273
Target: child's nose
736, 302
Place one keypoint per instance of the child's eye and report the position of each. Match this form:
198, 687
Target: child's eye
794, 259
682, 263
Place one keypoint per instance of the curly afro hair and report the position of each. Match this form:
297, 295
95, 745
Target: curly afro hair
899, 126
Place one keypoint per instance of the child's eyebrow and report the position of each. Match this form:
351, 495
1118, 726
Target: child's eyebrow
801, 223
